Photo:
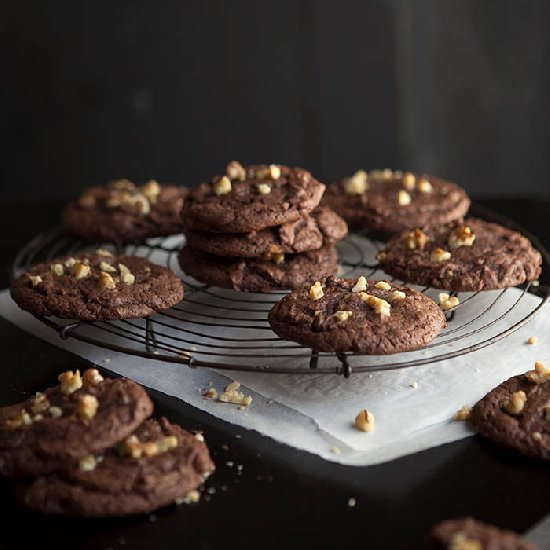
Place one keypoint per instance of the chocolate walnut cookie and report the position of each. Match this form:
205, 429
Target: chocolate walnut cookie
97, 286
123, 211
356, 315
386, 201
462, 256
251, 198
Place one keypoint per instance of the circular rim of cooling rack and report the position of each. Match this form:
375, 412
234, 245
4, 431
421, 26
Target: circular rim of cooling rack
49, 242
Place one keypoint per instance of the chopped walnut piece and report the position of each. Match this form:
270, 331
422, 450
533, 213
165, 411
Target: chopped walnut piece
57, 269
39, 403
416, 239
92, 377
357, 184
264, 188
539, 375
134, 448
23, 418
273, 172
103, 252
140, 202
55, 412
35, 279
69, 262
364, 421
463, 413
360, 285
403, 198
104, 266
122, 185
397, 295
235, 171
87, 463
537, 436
151, 190
199, 437
424, 185
278, 257
126, 276
516, 403
316, 291
80, 270
460, 541
210, 392
532, 340
380, 306
87, 407
448, 302
222, 186
383, 285
231, 395
461, 236
343, 315
409, 181
70, 381
440, 255
547, 411
106, 281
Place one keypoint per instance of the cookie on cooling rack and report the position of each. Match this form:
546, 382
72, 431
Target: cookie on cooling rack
462, 256
309, 232
259, 275
157, 465
251, 198
357, 315
516, 414
80, 416
98, 286
385, 201
122, 211
468, 533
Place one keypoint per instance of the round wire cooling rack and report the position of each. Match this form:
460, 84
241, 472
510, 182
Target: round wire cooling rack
228, 330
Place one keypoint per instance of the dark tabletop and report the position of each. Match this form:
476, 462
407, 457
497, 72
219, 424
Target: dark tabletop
281, 497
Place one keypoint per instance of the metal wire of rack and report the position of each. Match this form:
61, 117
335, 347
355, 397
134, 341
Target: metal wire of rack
228, 330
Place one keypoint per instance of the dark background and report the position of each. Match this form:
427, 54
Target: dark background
173, 90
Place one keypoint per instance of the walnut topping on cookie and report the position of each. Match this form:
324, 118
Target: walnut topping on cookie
360, 285
92, 377
364, 421
80, 270
39, 403
343, 315
383, 285
87, 463
461, 236
539, 375
235, 171
409, 181
23, 418
515, 404
103, 252
440, 255
316, 291
460, 541
57, 269
416, 240
126, 276
35, 280
222, 186
152, 191
134, 448
69, 262
403, 198
424, 185
357, 184
70, 381
264, 188
104, 266
106, 281
380, 306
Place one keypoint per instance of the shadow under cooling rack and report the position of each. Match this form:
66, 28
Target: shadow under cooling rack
228, 330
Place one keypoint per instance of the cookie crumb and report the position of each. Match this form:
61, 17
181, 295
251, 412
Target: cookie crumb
211, 392
351, 502
364, 421
231, 395
414, 385
335, 450
448, 302
532, 340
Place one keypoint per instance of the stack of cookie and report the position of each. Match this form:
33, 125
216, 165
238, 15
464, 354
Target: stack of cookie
257, 229
87, 447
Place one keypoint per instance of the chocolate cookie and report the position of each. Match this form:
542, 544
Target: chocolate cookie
462, 256
310, 232
387, 202
259, 275
159, 464
468, 533
122, 211
516, 414
81, 416
356, 315
97, 286
251, 198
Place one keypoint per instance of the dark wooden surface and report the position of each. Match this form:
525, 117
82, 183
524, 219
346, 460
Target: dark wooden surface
283, 497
